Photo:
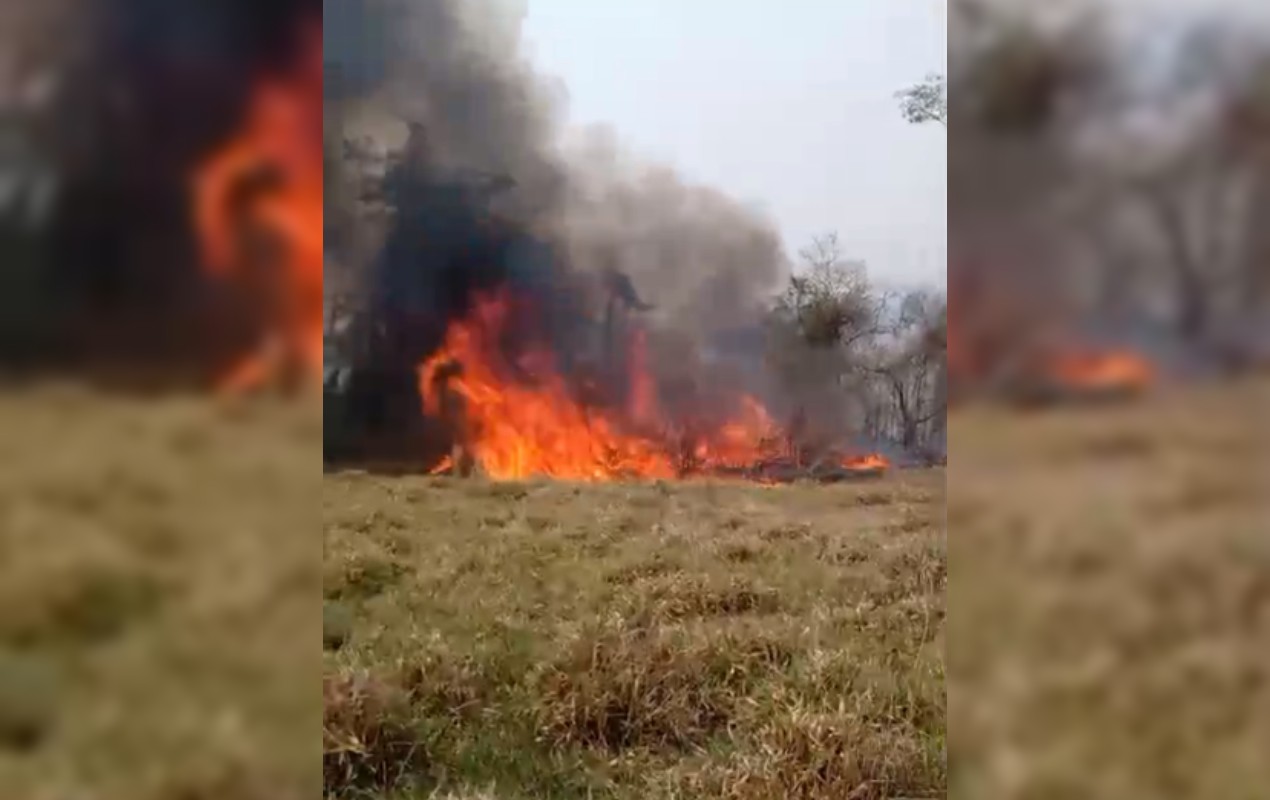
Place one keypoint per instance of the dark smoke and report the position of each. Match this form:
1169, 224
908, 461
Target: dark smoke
480, 193
141, 91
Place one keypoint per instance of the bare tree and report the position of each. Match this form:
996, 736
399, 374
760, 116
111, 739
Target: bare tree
1085, 191
1246, 128
911, 366
1197, 212
1173, 218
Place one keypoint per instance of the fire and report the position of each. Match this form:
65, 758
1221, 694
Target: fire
520, 430
1101, 371
643, 399
752, 435
867, 463
1002, 337
519, 419
278, 148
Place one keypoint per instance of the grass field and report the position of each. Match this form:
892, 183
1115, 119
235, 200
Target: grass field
1109, 628
1109, 617
159, 579
542, 640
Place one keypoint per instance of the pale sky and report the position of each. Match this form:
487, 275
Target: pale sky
789, 107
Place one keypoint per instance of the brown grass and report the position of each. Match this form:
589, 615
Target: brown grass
1110, 627
159, 575
634, 641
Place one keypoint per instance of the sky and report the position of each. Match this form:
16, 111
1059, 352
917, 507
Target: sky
788, 107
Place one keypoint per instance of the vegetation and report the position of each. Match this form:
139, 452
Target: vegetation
159, 576
634, 641
863, 358
1107, 194
1110, 604
926, 101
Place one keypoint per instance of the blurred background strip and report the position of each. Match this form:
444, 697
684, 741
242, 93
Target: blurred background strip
1109, 349
160, 326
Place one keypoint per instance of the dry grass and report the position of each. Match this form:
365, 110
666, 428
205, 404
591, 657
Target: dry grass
159, 575
696, 640
1110, 600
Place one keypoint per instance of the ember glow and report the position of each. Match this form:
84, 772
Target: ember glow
999, 341
520, 418
258, 214
1116, 370
873, 462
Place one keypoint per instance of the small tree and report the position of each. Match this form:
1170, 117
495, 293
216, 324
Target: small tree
829, 304
819, 329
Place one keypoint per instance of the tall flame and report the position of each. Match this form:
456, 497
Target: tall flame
281, 136
524, 430
521, 419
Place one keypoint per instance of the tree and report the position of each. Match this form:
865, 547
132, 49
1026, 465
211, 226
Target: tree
1086, 192
1170, 213
910, 365
1198, 207
819, 330
1246, 126
829, 304
926, 101
869, 361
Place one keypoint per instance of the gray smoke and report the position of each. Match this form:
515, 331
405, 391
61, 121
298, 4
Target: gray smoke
708, 264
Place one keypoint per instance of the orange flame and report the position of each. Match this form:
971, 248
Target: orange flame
520, 429
281, 134
1102, 371
750, 436
643, 400
524, 431
867, 463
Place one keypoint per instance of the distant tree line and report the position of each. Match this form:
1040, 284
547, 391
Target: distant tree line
1107, 181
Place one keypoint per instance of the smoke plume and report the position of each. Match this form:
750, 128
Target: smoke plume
438, 95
